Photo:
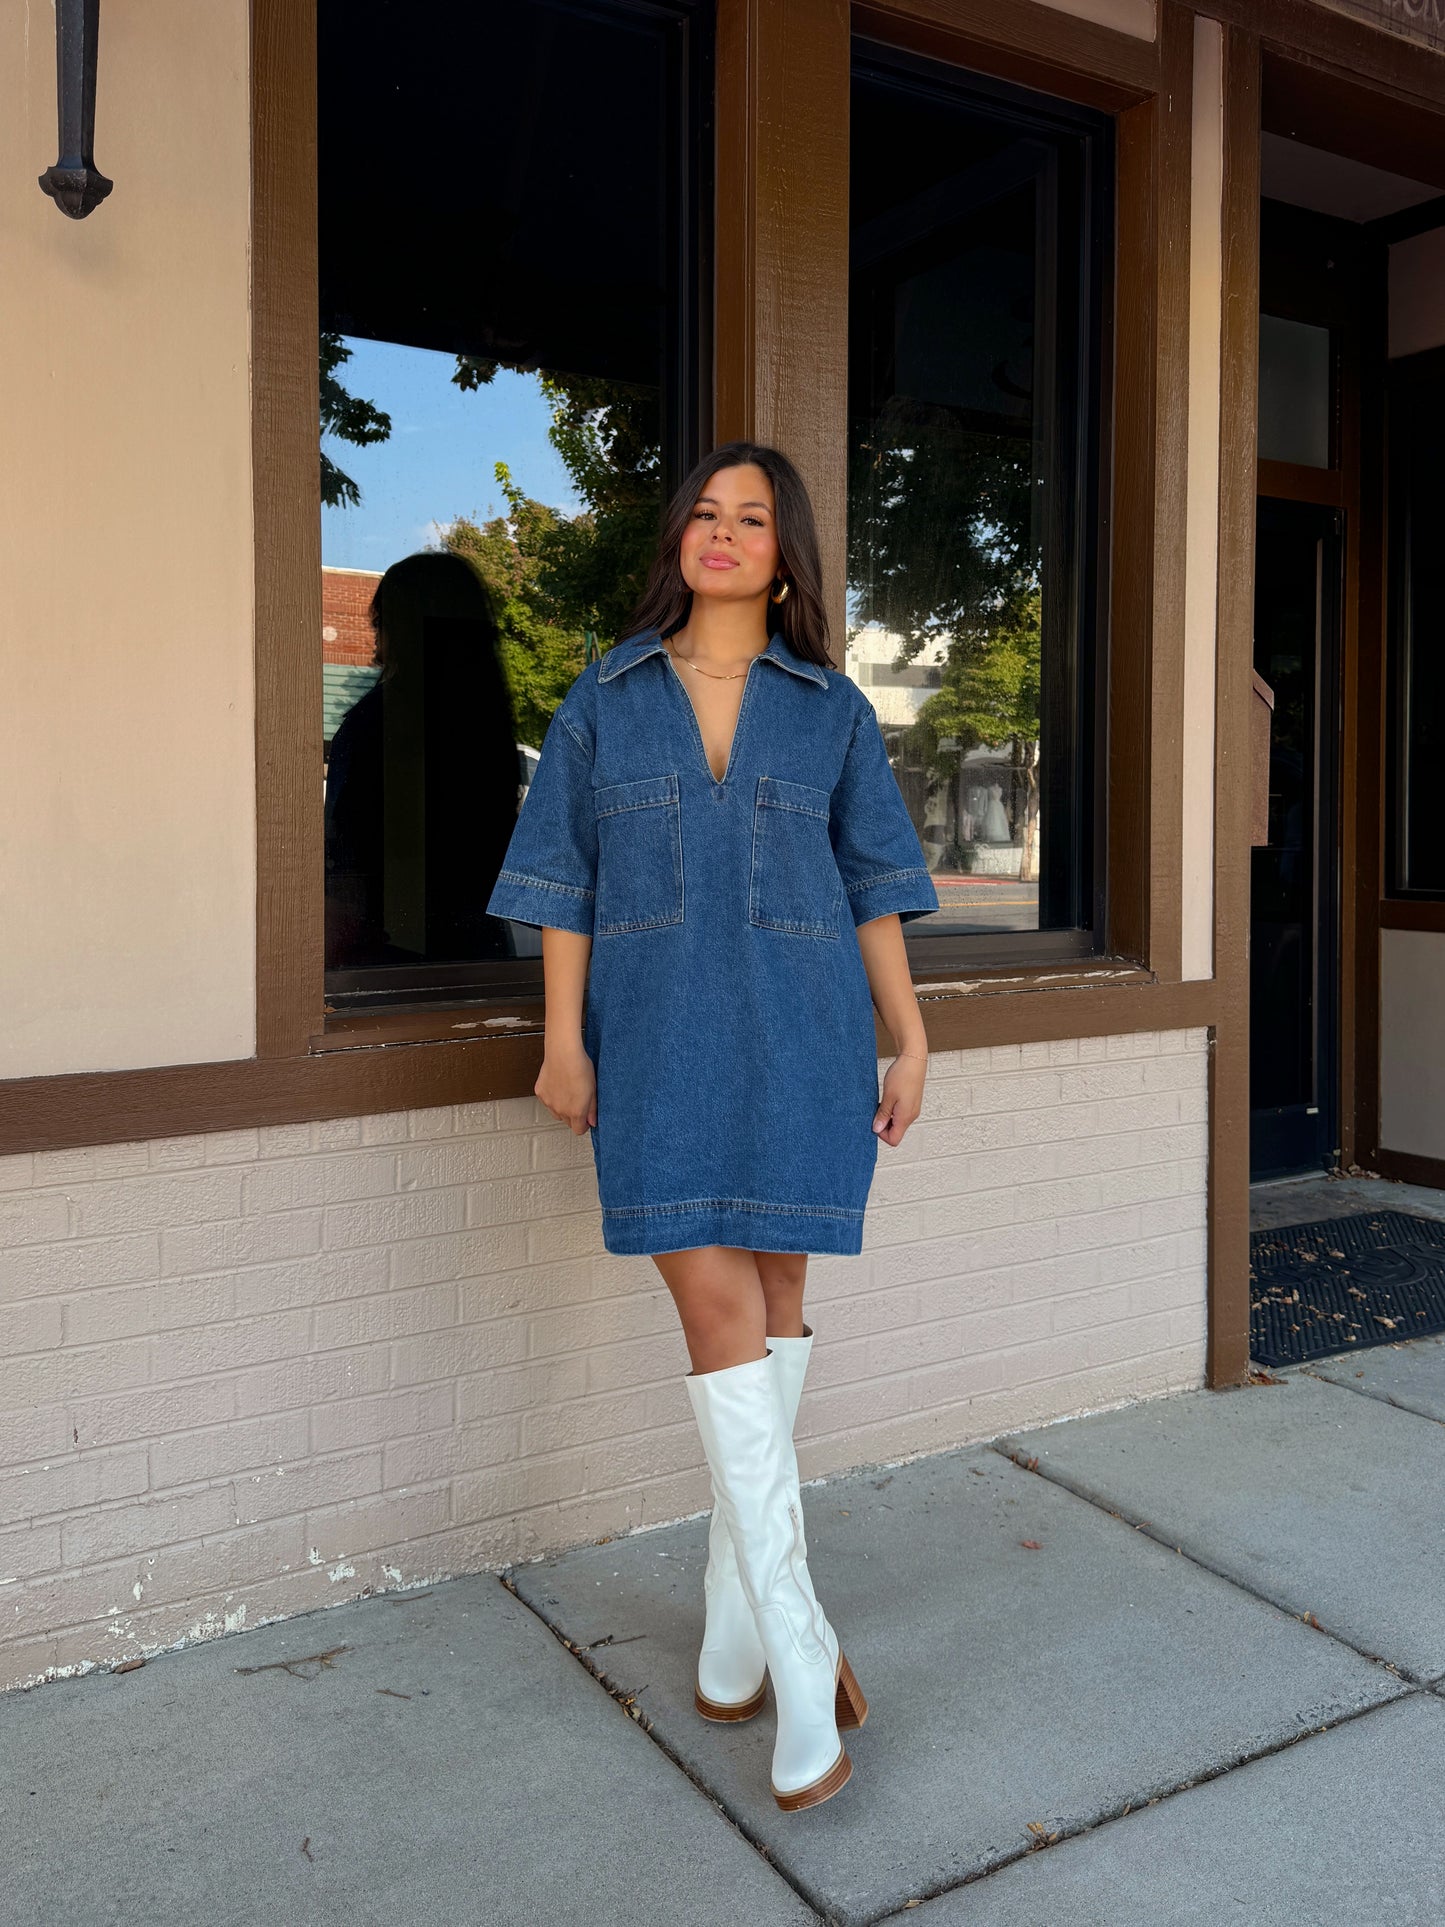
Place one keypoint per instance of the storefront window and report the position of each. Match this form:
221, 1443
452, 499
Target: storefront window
977, 259
509, 371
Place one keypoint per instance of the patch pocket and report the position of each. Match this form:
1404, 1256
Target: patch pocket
796, 886
639, 855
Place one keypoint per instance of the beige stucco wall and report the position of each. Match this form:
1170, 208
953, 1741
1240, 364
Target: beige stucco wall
1412, 1042
126, 763
1412, 962
247, 1374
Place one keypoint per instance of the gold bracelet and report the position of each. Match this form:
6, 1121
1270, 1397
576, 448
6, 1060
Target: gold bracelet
920, 1055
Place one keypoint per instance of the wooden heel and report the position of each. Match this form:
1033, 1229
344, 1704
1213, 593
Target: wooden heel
820, 1790
850, 1709
721, 1711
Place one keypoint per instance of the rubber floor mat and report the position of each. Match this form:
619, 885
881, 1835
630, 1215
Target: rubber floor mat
1344, 1284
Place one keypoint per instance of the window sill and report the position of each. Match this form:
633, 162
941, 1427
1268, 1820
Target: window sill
469, 1023
1412, 913
1099, 973
523, 1016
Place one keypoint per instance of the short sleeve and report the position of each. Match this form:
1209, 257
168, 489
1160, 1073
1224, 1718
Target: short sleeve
874, 842
549, 873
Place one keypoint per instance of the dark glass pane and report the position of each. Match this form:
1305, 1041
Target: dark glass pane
975, 268
1417, 621
509, 390
1294, 909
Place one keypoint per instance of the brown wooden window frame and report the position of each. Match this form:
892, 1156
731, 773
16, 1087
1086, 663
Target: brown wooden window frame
1141, 628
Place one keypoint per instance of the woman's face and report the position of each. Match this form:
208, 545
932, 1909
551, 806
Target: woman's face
730, 545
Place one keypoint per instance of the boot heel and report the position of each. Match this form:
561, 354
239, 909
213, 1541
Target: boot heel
837, 1776
850, 1707
722, 1710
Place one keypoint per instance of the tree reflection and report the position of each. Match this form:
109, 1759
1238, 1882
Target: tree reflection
943, 554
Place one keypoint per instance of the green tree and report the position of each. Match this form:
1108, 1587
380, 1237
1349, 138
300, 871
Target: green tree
553, 577
990, 698
939, 524
942, 549
347, 417
541, 656
591, 567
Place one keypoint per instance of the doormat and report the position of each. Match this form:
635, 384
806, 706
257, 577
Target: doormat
1344, 1285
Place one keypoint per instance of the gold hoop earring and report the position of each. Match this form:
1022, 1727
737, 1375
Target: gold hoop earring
782, 594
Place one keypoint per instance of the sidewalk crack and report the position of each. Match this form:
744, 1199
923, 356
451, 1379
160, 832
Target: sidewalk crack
628, 1702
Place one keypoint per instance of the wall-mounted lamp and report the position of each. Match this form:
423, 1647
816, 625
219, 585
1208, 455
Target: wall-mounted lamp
75, 183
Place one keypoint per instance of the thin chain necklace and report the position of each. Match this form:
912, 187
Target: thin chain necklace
712, 673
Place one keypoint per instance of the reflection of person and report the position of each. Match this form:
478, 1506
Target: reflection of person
995, 820
714, 844
421, 788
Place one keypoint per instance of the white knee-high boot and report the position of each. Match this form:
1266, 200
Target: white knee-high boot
732, 1674
744, 1431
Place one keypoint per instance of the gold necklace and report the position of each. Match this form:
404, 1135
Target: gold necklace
711, 673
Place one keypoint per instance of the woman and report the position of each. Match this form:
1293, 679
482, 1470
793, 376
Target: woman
715, 848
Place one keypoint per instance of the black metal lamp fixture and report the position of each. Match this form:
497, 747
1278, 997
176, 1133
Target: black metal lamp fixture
75, 183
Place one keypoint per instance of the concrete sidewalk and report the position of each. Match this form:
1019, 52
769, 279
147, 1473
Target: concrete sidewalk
1182, 1659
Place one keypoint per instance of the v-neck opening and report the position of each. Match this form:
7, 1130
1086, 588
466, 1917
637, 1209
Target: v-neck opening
718, 782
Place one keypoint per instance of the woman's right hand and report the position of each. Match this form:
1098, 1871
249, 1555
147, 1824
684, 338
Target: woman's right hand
567, 1085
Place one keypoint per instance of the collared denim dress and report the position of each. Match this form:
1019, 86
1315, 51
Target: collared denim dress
728, 1014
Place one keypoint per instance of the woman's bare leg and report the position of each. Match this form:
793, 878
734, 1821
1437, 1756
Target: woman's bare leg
783, 1275
719, 1298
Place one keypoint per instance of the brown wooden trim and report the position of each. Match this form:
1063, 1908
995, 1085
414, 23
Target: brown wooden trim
1408, 1167
781, 319
1365, 116
1013, 1013
109, 1107
1173, 166
1098, 974
1295, 482
1228, 1341
1411, 913
1034, 45
1132, 491
1319, 37
286, 504
1150, 440
734, 220
462, 1023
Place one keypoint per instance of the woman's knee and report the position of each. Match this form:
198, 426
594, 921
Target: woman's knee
711, 1288
783, 1276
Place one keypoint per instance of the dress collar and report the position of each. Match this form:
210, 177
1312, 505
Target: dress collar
622, 655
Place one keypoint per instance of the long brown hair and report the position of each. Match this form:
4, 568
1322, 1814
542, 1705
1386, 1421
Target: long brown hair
802, 615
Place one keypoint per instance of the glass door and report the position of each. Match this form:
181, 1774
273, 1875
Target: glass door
1294, 911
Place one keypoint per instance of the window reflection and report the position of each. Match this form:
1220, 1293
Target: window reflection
421, 781
970, 347
507, 391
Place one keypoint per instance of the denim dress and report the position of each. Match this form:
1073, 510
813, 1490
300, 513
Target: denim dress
728, 1014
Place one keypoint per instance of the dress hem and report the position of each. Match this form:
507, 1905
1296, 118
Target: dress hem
745, 1222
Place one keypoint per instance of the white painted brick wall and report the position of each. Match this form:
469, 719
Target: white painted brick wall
246, 1374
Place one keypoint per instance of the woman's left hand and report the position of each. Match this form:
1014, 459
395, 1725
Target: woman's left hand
902, 1098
